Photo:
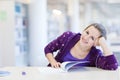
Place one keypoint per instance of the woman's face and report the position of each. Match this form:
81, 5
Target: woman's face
89, 37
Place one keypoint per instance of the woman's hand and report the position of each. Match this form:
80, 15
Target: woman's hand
55, 64
100, 41
52, 60
105, 47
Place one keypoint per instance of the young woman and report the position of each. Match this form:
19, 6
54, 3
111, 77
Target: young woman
82, 47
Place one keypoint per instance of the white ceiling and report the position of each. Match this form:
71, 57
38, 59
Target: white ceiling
82, 1
107, 7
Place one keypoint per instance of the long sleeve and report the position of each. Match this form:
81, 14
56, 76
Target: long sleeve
58, 43
106, 62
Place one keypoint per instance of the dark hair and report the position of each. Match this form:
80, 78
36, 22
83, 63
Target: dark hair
100, 28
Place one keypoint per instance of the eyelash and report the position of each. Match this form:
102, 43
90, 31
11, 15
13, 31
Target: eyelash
87, 32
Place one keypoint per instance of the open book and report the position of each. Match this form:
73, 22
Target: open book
68, 65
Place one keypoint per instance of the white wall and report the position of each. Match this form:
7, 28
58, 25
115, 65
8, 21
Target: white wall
7, 41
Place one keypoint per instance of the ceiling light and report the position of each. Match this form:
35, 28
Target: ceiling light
57, 12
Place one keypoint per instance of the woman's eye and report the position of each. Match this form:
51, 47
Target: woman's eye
87, 32
92, 38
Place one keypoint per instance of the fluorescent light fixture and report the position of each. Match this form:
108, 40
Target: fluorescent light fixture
57, 12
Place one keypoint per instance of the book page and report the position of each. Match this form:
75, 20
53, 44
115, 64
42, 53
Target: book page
69, 64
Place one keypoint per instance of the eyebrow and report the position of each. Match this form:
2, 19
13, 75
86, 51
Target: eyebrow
100, 36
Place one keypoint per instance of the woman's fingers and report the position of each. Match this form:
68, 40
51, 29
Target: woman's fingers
56, 65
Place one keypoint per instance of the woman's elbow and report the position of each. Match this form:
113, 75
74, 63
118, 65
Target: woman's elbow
112, 67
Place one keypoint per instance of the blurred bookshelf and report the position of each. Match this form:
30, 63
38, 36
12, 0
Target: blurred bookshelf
21, 34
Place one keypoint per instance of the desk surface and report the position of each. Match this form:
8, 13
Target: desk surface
47, 73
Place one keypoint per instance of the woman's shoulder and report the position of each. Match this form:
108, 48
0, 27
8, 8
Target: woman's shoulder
70, 33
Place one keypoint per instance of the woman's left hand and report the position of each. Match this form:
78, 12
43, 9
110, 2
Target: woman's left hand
101, 41
105, 47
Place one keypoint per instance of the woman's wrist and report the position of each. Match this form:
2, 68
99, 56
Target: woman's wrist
105, 47
50, 58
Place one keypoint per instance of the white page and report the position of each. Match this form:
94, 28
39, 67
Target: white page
69, 64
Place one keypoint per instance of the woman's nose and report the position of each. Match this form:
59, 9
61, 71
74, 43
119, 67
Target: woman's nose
86, 38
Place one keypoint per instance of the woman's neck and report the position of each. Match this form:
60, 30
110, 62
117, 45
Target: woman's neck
82, 48
79, 52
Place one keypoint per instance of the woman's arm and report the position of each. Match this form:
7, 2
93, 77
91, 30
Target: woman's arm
105, 47
108, 60
52, 60
55, 45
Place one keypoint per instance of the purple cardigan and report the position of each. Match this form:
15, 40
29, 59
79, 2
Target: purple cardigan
68, 39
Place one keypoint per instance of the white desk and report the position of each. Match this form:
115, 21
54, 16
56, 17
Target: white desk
45, 73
